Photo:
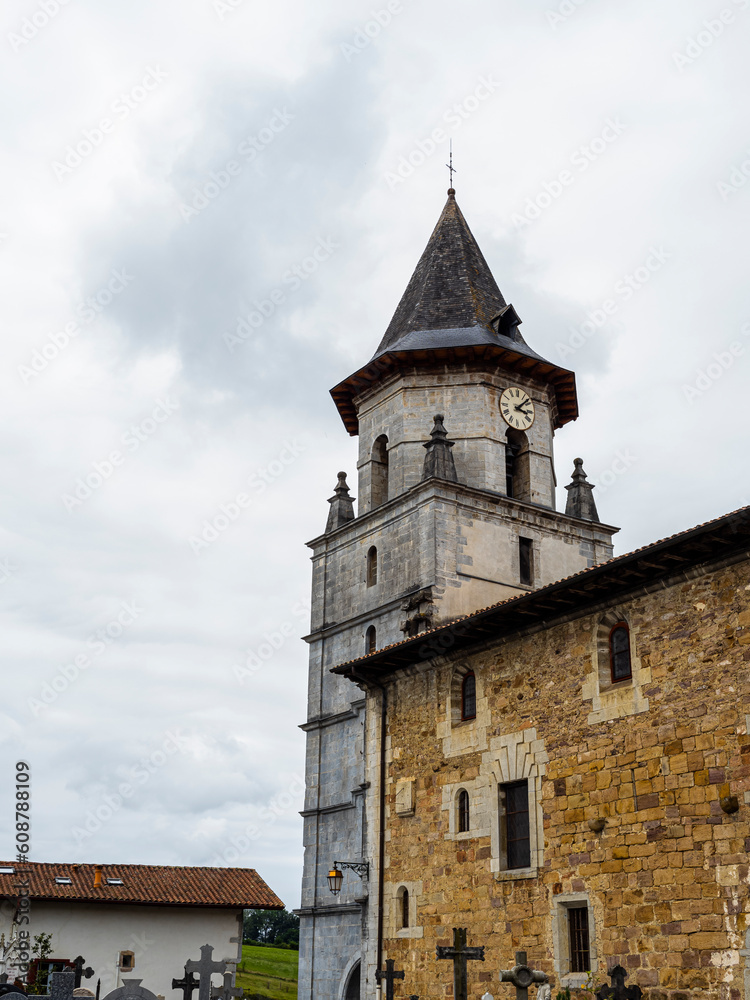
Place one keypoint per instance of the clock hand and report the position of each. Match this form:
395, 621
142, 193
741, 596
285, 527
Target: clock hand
520, 406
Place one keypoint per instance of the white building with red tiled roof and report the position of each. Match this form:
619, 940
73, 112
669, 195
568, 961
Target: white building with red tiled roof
129, 921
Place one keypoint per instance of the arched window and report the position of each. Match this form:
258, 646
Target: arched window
619, 652
379, 478
372, 567
371, 640
517, 468
463, 811
469, 697
403, 908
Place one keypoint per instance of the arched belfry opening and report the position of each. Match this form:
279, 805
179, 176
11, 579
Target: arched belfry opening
379, 493
517, 465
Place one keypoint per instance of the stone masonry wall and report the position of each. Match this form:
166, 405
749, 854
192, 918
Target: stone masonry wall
666, 880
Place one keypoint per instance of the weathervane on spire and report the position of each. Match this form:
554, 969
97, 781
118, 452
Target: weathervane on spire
450, 167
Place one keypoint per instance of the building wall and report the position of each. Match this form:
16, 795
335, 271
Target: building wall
161, 938
403, 408
666, 880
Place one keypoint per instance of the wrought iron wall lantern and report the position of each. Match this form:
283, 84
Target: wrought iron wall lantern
336, 874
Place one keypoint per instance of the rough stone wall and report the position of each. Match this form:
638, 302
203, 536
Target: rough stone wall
666, 880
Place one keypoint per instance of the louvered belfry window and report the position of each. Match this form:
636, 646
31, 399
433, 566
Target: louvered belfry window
517, 837
578, 926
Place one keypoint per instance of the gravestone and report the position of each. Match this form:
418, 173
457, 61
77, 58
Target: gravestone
188, 984
618, 990
461, 955
390, 975
521, 976
226, 991
131, 989
205, 967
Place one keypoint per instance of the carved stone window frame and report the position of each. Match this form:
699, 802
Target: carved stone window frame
614, 699
561, 904
394, 895
515, 757
479, 800
461, 736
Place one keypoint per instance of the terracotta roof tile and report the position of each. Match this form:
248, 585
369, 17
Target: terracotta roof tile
142, 884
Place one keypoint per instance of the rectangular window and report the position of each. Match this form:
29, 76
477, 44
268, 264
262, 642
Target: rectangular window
517, 838
526, 560
578, 929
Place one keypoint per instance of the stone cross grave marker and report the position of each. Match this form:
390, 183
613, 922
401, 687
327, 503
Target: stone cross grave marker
390, 976
460, 954
522, 976
226, 991
618, 990
81, 973
187, 984
204, 968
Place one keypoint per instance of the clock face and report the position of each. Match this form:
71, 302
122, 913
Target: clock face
517, 408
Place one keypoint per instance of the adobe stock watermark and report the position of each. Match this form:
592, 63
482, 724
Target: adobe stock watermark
120, 109
366, 34
739, 174
711, 29
249, 149
256, 658
97, 643
720, 363
138, 776
103, 470
224, 7
31, 26
290, 282
624, 290
6, 570
581, 159
623, 461
281, 804
456, 115
88, 311
213, 528
564, 11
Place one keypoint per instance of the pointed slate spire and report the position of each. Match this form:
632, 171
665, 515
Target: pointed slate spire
342, 505
452, 286
438, 462
581, 501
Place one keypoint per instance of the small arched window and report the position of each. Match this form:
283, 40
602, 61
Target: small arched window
372, 567
463, 811
379, 476
371, 640
619, 652
469, 697
403, 908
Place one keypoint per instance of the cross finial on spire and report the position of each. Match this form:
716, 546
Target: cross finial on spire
451, 189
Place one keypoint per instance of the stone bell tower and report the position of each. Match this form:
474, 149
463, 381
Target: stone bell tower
456, 416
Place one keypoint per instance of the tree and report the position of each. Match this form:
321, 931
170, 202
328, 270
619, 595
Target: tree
276, 927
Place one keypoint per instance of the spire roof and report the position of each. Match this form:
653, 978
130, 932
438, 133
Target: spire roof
452, 287
453, 310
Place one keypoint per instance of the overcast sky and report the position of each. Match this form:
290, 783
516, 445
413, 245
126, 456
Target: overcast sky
209, 212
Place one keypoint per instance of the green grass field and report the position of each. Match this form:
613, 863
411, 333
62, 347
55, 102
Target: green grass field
268, 972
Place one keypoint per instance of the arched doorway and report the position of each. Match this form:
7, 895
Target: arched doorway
352, 991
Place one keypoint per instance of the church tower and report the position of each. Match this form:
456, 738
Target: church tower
456, 416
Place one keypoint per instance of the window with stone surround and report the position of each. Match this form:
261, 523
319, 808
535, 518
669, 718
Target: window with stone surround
615, 651
379, 476
463, 815
526, 561
574, 938
372, 566
469, 697
371, 640
401, 910
515, 832
517, 763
